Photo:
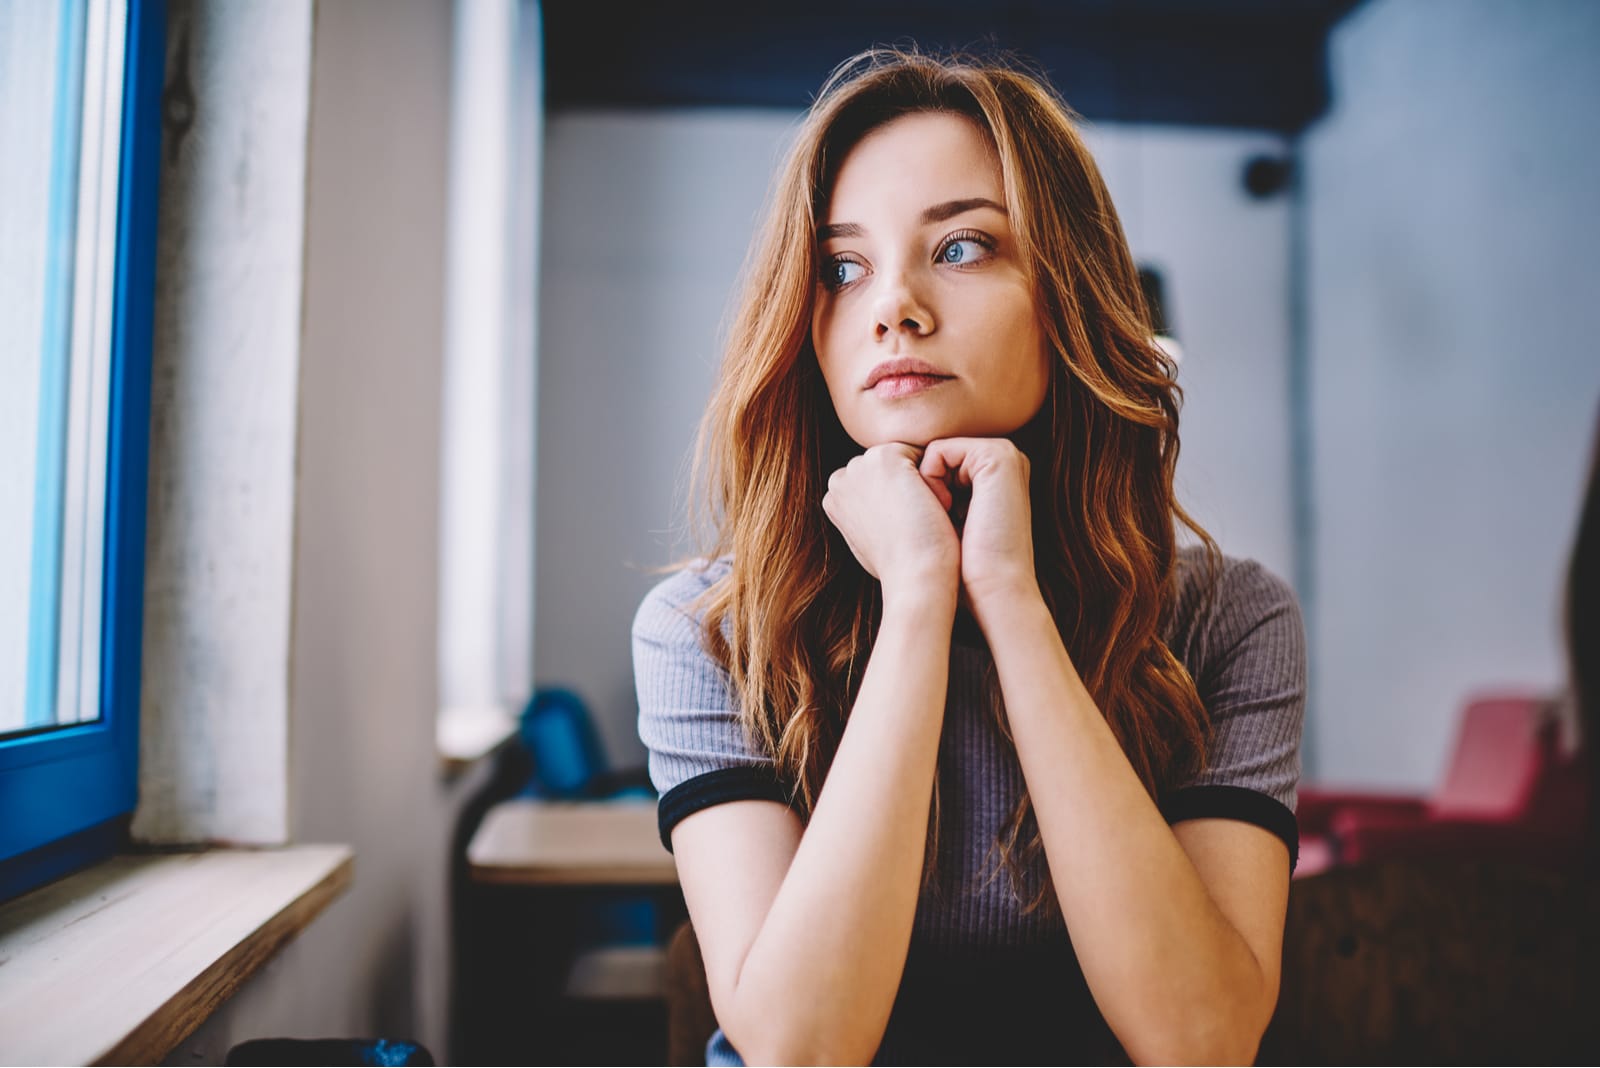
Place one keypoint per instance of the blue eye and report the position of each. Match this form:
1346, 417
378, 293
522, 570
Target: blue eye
839, 273
964, 250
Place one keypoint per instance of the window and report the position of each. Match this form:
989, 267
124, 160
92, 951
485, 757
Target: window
487, 482
80, 84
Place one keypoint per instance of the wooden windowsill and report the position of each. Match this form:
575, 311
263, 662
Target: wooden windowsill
121, 962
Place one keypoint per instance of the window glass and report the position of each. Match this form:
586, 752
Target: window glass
61, 75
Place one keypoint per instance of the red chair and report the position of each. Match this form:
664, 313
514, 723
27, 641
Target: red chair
1510, 794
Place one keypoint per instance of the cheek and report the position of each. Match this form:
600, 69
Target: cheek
821, 319
824, 349
1029, 370
1041, 361
831, 373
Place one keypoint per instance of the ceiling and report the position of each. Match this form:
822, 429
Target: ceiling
1256, 64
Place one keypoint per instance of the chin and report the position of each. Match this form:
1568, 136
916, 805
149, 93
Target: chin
918, 433
918, 428
908, 432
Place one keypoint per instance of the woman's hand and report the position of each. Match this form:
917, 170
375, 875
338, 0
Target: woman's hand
896, 521
997, 536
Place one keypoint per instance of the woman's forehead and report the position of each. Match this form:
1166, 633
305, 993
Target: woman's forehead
914, 161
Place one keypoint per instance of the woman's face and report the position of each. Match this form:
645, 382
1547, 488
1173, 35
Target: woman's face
925, 325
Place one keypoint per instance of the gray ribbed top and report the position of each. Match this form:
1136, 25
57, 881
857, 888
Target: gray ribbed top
1246, 653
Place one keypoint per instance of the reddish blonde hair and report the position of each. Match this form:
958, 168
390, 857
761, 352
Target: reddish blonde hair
794, 620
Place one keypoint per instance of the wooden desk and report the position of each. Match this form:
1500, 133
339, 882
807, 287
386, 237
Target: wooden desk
534, 871
545, 843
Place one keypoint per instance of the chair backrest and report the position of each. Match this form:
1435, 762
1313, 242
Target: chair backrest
690, 1019
559, 733
1505, 744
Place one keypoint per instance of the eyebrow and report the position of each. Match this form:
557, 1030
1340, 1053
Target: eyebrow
936, 214
828, 233
951, 208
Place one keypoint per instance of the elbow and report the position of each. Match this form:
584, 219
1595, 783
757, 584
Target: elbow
1204, 1049
1197, 1046
777, 1041
1207, 1035
780, 1049
770, 1023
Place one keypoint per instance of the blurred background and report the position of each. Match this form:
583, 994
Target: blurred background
1371, 223
439, 299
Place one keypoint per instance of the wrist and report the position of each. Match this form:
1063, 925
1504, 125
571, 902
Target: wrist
929, 594
1006, 601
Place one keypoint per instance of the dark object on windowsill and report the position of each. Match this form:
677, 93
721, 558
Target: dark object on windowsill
1155, 293
361, 1051
1155, 299
1266, 176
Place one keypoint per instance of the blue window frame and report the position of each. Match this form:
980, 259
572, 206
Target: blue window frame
69, 770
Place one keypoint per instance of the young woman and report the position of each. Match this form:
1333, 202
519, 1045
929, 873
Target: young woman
962, 758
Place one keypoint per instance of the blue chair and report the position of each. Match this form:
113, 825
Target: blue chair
569, 764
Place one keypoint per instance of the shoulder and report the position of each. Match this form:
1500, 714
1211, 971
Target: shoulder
1238, 584
672, 608
1237, 629
1226, 607
700, 751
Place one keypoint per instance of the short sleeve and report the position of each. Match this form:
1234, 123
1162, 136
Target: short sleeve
1248, 660
699, 753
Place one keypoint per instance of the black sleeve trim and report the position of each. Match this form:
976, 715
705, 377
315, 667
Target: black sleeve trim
1235, 803
716, 788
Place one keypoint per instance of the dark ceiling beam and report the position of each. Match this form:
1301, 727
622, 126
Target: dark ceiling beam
1258, 64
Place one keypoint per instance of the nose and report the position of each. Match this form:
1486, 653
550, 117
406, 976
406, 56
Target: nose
899, 308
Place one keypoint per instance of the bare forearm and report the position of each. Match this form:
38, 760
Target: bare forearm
820, 978
1174, 979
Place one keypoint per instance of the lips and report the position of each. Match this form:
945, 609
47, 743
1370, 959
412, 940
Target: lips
908, 368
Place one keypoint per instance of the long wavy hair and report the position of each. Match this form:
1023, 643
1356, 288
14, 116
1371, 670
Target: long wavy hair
794, 620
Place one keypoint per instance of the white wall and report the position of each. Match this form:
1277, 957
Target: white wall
219, 552
647, 220
362, 673
1225, 259
486, 437
1452, 230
